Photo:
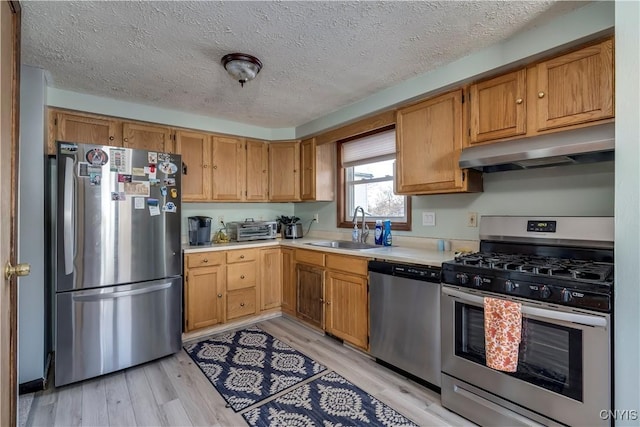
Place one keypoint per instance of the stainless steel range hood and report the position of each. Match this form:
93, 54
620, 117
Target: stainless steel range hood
585, 145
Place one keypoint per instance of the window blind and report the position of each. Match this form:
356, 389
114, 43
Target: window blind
372, 148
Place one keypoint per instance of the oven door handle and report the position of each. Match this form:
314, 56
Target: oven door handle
582, 319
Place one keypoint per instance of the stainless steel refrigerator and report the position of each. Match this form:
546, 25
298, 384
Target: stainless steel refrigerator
118, 265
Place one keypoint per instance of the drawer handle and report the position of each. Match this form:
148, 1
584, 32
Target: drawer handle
328, 302
242, 277
219, 295
241, 304
241, 256
111, 138
205, 260
519, 101
540, 94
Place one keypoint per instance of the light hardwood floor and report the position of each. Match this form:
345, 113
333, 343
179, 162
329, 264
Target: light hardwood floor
174, 392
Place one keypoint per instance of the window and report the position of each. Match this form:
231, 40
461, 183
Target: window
367, 170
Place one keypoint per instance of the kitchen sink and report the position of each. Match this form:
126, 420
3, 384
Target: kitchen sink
343, 244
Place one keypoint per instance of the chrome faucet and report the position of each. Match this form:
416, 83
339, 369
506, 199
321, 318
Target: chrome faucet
362, 235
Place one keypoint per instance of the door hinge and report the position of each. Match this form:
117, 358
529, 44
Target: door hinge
469, 131
463, 176
367, 339
463, 98
55, 121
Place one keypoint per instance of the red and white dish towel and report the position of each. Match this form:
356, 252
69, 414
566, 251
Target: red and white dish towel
502, 333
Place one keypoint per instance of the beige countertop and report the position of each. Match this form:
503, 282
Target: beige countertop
391, 253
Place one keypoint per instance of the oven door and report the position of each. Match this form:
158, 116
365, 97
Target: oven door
564, 365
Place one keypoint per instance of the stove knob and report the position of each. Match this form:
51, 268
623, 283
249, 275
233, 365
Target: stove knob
565, 295
545, 292
509, 286
463, 278
477, 281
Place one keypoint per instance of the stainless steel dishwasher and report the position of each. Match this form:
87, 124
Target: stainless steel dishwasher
404, 316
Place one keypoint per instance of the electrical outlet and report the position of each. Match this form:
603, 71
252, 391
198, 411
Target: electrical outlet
315, 218
428, 219
220, 219
472, 219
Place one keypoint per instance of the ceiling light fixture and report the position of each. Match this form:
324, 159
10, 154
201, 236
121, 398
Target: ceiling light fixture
241, 66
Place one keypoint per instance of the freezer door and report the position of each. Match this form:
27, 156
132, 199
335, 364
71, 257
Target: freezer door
104, 330
118, 214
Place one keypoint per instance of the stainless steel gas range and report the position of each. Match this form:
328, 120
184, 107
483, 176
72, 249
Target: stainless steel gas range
561, 270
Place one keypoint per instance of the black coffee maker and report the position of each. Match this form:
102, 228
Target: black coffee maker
199, 230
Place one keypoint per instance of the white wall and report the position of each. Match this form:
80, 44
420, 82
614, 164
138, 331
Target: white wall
31, 232
566, 190
627, 211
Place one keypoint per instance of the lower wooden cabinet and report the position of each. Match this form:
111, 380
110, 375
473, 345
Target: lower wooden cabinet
271, 285
347, 308
288, 282
203, 295
310, 291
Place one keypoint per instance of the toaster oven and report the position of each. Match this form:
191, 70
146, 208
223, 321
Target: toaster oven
251, 230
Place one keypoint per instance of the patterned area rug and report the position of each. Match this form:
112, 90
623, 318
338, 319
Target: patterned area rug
250, 365
328, 401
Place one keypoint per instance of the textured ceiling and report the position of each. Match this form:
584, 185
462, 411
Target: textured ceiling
317, 56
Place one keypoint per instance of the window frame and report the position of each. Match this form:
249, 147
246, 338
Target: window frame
341, 193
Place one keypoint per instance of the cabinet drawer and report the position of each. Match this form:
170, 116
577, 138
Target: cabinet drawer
242, 255
353, 265
241, 275
205, 259
241, 303
310, 257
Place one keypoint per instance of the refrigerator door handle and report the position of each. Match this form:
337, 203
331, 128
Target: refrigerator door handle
68, 234
100, 294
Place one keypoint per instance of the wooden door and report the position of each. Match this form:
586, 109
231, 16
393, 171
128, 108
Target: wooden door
195, 149
204, 298
310, 291
498, 107
9, 121
284, 171
347, 308
87, 130
147, 137
429, 142
257, 183
270, 278
576, 88
308, 169
288, 282
228, 168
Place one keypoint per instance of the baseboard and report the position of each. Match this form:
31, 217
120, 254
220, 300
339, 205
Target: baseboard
37, 384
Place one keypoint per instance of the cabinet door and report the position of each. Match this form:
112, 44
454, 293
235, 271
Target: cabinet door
310, 291
87, 130
576, 88
257, 171
147, 137
228, 168
195, 149
347, 308
288, 282
308, 168
284, 171
203, 297
429, 142
498, 107
270, 278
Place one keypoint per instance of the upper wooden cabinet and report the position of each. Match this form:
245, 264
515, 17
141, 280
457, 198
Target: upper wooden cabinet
317, 179
576, 87
82, 129
228, 164
195, 149
428, 143
257, 171
497, 107
147, 137
284, 171
571, 90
